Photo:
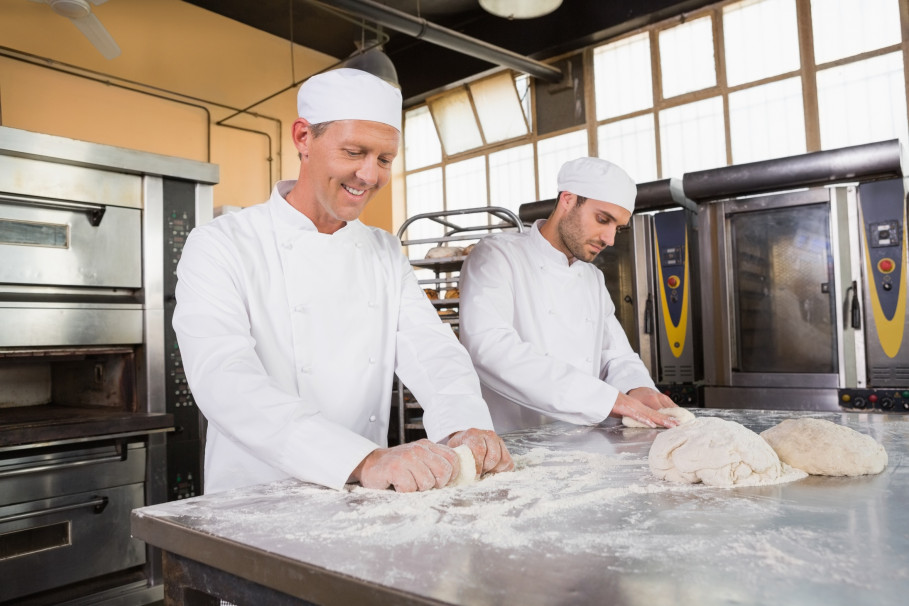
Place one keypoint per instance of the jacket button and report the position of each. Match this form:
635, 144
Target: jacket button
372, 419
372, 360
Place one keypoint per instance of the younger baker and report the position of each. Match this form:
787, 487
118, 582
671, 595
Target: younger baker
538, 321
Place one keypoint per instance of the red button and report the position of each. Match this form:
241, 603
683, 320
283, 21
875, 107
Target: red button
673, 281
886, 265
872, 398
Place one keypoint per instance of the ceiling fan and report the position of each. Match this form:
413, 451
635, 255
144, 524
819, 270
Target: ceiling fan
80, 13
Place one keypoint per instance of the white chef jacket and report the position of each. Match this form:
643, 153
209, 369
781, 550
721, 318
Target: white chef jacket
543, 334
290, 339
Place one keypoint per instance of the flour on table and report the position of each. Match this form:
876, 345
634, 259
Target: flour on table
718, 453
682, 414
468, 473
823, 448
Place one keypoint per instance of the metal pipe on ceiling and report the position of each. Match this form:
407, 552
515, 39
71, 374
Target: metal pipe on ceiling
422, 29
871, 160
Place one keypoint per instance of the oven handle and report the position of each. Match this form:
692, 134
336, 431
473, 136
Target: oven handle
98, 503
95, 212
27, 470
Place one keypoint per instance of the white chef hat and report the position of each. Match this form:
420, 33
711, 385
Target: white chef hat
349, 94
598, 179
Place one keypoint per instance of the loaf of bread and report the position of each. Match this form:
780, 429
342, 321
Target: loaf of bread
444, 252
431, 293
468, 249
452, 293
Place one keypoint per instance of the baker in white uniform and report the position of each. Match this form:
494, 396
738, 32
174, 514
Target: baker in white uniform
538, 321
292, 317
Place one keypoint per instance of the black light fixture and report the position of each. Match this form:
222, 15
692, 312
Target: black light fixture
520, 9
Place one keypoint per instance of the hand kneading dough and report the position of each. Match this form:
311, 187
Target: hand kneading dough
715, 452
826, 449
682, 414
468, 473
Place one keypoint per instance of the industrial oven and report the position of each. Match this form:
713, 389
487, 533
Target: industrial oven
803, 262
651, 273
95, 414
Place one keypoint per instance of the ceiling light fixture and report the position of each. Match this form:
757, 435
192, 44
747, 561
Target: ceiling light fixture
520, 9
374, 61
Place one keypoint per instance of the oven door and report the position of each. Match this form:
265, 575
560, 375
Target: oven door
778, 291
47, 242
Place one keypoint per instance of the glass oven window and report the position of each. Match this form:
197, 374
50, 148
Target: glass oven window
783, 290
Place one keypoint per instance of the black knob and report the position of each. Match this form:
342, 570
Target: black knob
886, 286
859, 402
887, 403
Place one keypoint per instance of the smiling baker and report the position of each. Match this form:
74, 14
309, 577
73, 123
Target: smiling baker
292, 318
538, 321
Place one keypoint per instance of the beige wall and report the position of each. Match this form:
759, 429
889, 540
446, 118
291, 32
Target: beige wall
181, 71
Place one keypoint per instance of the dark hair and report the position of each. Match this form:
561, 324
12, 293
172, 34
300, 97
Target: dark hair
580, 200
319, 129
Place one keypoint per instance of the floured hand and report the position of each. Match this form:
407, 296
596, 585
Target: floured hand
626, 406
488, 450
416, 466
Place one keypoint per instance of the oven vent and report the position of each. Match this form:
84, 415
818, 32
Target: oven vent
678, 374
890, 377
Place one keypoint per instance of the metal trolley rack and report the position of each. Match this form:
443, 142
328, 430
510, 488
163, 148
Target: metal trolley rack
461, 228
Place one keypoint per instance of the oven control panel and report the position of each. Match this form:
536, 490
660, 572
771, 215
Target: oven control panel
875, 400
184, 446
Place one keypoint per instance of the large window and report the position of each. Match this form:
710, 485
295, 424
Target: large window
736, 82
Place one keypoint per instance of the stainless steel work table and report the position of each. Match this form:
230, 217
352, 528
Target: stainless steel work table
581, 521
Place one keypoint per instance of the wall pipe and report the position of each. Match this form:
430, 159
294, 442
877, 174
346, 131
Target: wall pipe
422, 29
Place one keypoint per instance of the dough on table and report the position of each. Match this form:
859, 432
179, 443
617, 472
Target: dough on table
718, 453
682, 414
468, 473
823, 448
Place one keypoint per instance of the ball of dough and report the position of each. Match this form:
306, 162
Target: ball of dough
468, 473
682, 414
713, 451
823, 448
444, 252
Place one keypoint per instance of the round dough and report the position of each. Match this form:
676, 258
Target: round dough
823, 448
716, 452
682, 414
444, 252
468, 473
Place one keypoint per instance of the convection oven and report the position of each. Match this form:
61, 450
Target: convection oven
804, 290
95, 414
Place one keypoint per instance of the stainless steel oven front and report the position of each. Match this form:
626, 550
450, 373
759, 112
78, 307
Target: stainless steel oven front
95, 415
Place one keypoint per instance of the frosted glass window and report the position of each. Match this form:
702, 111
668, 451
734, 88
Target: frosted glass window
842, 28
456, 122
862, 102
632, 145
522, 84
767, 121
421, 142
465, 184
424, 195
499, 108
692, 137
511, 177
686, 57
552, 153
621, 75
761, 39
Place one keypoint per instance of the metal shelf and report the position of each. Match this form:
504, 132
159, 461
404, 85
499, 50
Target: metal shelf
464, 227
